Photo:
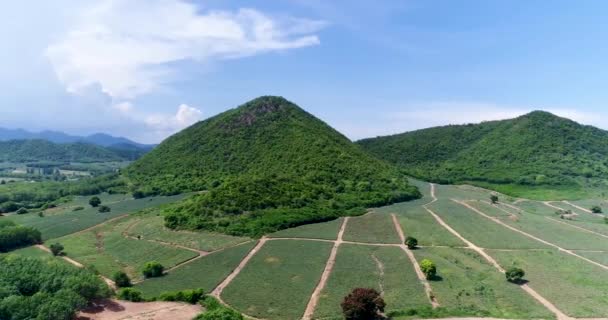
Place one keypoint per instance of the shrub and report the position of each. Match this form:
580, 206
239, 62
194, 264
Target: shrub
411, 242
22, 210
189, 296
57, 249
153, 269
78, 208
596, 209
121, 279
494, 199
216, 311
104, 209
428, 268
362, 304
515, 275
130, 294
95, 202
606, 220
13, 236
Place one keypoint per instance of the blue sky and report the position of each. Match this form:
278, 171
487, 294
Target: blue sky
147, 68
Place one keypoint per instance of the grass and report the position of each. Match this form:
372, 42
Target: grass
325, 230
106, 249
469, 286
588, 203
356, 267
572, 192
68, 222
279, 279
371, 228
491, 210
576, 287
480, 230
205, 273
466, 192
150, 226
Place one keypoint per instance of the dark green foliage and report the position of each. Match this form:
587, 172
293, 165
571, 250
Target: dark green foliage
42, 150
515, 275
104, 209
130, 294
494, 199
428, 268
537, 149
606, 220
411, 242
22, 211
13, 236
363, 304
153, 269
46, 290
217, 311
188, 296
95, 202
121, 279
267, 165
596, 209
79, 208
57, 249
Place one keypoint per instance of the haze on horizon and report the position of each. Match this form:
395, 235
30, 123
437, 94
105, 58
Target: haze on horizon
145, 69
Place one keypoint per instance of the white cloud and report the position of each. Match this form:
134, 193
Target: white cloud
127, 46
185, 116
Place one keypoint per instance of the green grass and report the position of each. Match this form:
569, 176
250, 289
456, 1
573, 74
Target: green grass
325, 230
151, 227
599, 257
109, 251
461, 192
279, 279
418, 223
205, 273
356, 268
371, 228
588, 203
68, 222
542, 192
469, 286
576, 287
480, 230
491, 210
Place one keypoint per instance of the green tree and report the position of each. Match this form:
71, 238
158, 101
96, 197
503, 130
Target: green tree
220, 314
363, 304
515, 274
596, 209
104, 209
95, 202
121, 279
57, 249
22, 210
428, 268
130, 294
411, 242
494, 199
153, 269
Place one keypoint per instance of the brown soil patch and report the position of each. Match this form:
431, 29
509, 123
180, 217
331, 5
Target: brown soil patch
272, 260
119, 310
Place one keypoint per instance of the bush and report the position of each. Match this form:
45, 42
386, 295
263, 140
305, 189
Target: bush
363, 304
494, 199
153, 269
216, 311
515, 275
428, 268
13, 236
121, 279
130, 294
57, 249
78, 209
411, 242
95, 202
22, 210
596, 209
189, 296
104, 209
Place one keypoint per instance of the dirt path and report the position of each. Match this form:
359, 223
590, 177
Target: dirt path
548, 204
329, 266
380, 267
218, 290
582, 209
123, 310
577, 227
412, 258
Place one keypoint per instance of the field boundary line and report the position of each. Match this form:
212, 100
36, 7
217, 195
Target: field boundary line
410, 255
581, 208
578, 227
329, 266
549, 204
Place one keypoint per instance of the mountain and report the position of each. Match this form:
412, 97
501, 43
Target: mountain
42, 150
267, 165
536, 150
100, 139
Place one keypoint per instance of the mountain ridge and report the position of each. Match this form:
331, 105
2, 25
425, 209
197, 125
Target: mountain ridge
101, 139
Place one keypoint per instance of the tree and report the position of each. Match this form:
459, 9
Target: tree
220, 314
57, 249
596, 209
153, 269
130, 294
104, 209
121, 279
494, 199
95, 202
22, 210
428, 268
515, 274
363, 304
411, 242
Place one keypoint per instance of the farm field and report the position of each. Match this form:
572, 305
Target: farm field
371, 228
325, 230
279, 279
386, 269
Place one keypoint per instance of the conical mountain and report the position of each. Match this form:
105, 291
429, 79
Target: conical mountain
535, 151
267, 157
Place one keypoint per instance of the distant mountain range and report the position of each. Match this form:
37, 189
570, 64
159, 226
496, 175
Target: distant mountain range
100, 139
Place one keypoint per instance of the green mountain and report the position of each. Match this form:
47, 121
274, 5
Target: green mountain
536, 151
42, 150
267, 165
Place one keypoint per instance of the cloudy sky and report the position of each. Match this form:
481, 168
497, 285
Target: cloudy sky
148, 68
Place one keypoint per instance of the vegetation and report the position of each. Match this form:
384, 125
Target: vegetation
121, 279
45, 290
494, 199
13, 236
363, 304
95, 202
411, 242
130, 294
428, 268
267, 165
534, 150
323, 230
57, 249
192, 296
104, 209
515, 275
373, 228
596, 209
217, 311
153, 269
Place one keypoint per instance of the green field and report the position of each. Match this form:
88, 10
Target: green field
386, 269
279, 279
578, 288
469, 286
371, 228
205, 273
325, 230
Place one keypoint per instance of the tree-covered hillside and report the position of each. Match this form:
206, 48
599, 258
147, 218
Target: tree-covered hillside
535, 150
42, 150
266, 165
